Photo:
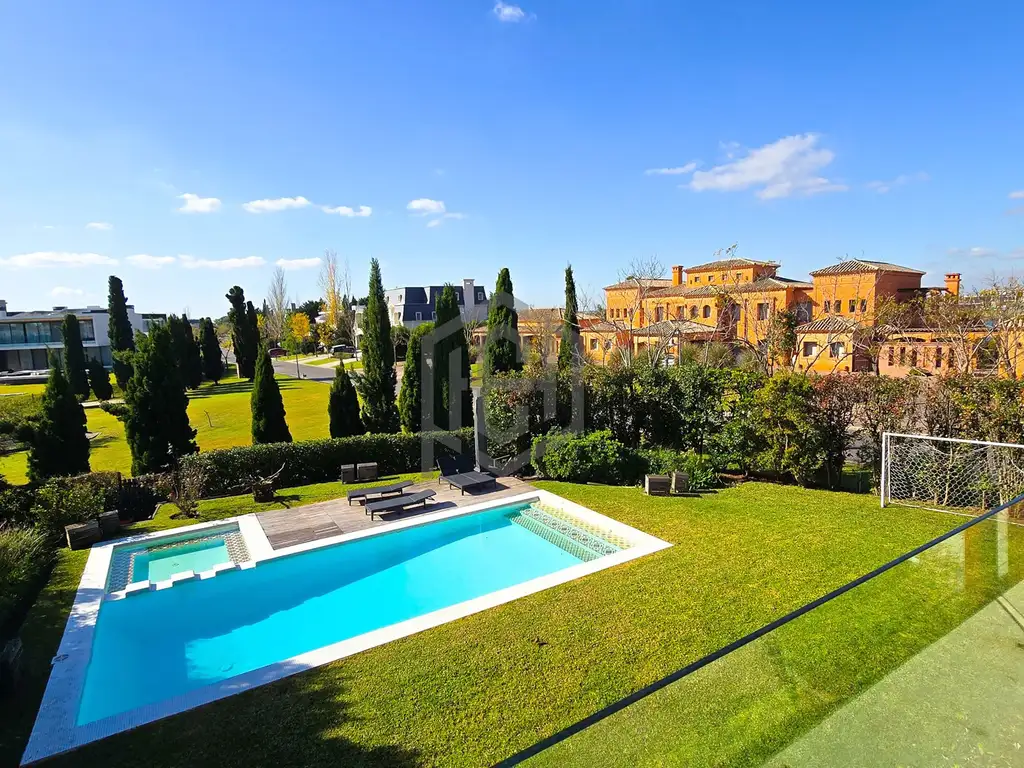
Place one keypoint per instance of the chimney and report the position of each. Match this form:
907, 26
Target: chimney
953, 283
3, 307
677, 275
468, 292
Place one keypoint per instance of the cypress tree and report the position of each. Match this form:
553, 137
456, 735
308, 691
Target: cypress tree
213, 363
449, 344
156, 425
193, 354
99, 380
343, 405
119, 330
377, 384
241, 334
58, 443
75, 368
268, 422
410, 397
569, 346
183, 343
501, 351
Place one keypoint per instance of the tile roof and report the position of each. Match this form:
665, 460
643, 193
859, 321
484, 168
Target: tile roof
830, 324
652, 282
855, 266
670, 327
760, 285
730, 264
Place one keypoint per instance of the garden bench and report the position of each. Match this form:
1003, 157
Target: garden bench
380, 490
399, 503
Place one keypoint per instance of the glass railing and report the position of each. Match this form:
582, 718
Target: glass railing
920, 663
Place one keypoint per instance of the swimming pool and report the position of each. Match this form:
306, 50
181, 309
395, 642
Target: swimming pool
205, 636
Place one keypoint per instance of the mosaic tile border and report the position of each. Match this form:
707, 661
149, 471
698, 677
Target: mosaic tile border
564, 534
619, 541
122, 565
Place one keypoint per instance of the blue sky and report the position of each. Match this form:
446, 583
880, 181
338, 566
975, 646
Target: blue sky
524, 136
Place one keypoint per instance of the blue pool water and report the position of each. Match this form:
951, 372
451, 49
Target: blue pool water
153, 646
198, 556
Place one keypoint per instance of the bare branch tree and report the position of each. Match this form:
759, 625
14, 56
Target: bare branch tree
277, 306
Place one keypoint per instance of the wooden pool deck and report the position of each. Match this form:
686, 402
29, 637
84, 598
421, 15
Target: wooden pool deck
288, 527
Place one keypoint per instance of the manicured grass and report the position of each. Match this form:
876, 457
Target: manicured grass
479, 689
220, 414
22, 389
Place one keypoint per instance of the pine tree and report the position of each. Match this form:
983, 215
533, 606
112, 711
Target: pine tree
213, 362
410, 397
156, 425
268, 416
377, 384
122, 338
343, 405
241, 333
58, 442
569, 346
501, 351
75, 368
99, 380
450, 345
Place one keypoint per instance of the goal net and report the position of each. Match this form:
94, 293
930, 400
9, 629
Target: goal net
969, 476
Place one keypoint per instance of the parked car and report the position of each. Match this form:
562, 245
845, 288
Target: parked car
277, 352
343, 349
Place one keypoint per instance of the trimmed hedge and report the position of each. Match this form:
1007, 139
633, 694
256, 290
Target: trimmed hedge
233, 470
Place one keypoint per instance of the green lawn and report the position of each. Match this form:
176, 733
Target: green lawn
476, 690
219, 413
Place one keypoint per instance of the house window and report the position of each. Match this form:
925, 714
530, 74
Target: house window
479, 295
863, 305
680, 313
658, 314
725, 277
762, 311
903, 356
707, 310
693, 313
810, 349
892, 356
593, 343
853, 306
837, 349
608, 344
433, 315
696, 278
738, 277
419, 315
951, 359
711, 278
913, 358
938, 357
827, 306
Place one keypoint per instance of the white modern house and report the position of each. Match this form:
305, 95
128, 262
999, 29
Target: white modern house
28, 338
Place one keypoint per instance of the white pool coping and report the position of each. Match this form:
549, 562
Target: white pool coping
55, 730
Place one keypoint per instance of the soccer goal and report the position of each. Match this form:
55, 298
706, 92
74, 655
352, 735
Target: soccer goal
967, 476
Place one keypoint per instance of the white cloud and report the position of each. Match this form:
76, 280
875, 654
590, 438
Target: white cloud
196, 204
343, 210
881, 187
61, 290
56, 259
438, 221
145, 261
191, 262
789, 166
424, 206
976, 252
1017, 195
290, 264
508, 13
681, 170
277, 204
102, 225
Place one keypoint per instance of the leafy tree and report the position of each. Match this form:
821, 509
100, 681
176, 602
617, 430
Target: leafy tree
75, 367
243, 338
209, 344
120, 333
501, 351
791, 438
311, 309
343, 405
569, 346
99, 380
452, 394
58, 441
156, 424
377, 384
400, 341
268, 416
410, 397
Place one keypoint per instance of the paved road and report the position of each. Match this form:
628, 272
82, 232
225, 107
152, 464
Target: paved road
322, 373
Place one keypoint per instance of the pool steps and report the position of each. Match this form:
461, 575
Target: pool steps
139, 587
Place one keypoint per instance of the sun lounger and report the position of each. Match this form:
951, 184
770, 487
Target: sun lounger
468, 481
399, 503
380, 490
